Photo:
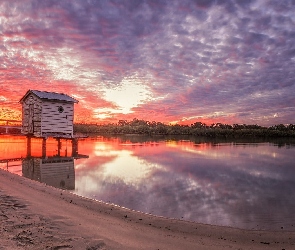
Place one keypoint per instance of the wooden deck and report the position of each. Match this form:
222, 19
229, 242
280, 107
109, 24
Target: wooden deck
11, 160
7, 128
10, 124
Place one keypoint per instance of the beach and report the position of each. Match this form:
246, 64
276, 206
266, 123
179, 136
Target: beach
36, 216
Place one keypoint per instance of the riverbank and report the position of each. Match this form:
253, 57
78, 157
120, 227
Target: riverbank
36, 216
217, 130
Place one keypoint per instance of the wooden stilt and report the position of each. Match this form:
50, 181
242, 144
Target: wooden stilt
44, 147
29, 146
58, 146
74, 147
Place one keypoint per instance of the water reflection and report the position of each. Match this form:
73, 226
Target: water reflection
238, 184
246, 185
50, 162
55, 171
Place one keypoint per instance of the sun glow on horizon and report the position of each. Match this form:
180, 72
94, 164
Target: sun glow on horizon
129, 94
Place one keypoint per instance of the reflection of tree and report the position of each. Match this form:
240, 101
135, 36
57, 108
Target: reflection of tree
137, 126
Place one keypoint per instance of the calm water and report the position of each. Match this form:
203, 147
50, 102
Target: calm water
238, 184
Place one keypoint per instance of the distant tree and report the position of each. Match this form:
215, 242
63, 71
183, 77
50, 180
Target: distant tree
122, 122
198, 125
280, 127
198, 129
291, 127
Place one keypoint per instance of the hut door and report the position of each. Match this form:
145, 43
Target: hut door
31, 119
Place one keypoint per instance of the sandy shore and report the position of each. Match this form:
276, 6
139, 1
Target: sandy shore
36, 216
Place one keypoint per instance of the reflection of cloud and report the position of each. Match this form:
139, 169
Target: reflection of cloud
240, 186
120, 166
103, 149
128, 169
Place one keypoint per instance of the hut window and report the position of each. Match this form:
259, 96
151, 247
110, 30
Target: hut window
60, 109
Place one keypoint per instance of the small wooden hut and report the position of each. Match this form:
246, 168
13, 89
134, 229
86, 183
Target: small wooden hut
47, 114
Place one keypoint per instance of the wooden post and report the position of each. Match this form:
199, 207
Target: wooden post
58, 146
43, 147
29, 146
74, 147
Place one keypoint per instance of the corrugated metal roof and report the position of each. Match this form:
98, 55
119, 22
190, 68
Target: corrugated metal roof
44, 95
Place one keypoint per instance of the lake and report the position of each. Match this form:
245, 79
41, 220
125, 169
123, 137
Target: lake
243, 184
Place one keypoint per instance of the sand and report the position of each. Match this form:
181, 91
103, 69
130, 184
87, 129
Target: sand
36, 216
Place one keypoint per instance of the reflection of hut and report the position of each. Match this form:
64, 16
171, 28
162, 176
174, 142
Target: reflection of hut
56, 171
47, 114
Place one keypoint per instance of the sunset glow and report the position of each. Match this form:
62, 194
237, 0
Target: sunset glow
177, 61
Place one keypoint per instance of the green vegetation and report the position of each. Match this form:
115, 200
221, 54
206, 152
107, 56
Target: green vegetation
215, 130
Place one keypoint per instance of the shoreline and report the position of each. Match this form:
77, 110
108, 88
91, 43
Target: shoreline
36, 216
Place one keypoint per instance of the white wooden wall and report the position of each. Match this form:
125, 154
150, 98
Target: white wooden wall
55, 122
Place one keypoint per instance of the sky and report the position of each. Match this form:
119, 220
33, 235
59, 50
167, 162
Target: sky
170, 61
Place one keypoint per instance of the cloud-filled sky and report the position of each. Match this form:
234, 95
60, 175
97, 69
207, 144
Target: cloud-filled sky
229, 61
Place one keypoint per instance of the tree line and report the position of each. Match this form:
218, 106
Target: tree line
137, 126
